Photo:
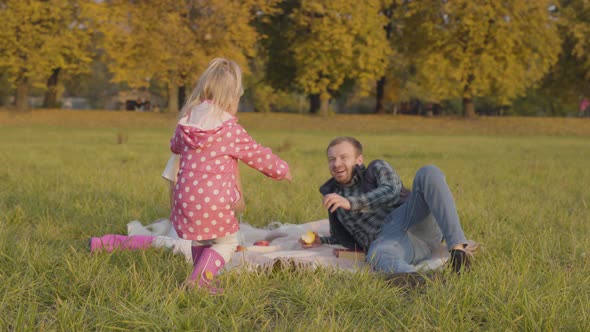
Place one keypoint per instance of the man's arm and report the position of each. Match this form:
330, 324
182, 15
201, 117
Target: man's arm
334, 201
339, 235
388, 186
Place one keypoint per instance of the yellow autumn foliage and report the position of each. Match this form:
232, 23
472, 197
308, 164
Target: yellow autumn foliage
466, 49
37, 37
340, 40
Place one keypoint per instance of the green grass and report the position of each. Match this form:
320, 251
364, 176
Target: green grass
521, 187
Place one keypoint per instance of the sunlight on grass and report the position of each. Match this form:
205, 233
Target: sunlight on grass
520, 185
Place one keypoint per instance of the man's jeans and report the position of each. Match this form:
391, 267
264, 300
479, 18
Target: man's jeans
411, 230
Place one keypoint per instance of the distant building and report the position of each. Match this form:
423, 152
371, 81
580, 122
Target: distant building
76, 103
134, 100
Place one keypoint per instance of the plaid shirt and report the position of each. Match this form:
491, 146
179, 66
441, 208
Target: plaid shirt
373, 193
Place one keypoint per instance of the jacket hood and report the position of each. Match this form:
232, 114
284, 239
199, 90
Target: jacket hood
204, 125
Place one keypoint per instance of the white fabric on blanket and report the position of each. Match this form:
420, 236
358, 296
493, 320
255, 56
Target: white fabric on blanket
283, 245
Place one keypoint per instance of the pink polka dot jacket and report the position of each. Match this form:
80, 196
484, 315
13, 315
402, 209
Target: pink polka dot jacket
206, 187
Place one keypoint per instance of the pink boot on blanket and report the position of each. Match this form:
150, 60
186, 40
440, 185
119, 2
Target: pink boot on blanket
111, 242
205, 268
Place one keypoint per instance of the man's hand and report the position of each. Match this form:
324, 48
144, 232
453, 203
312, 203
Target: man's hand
334, 201
316, 242
404, 194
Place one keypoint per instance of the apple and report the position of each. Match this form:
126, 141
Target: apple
308, 237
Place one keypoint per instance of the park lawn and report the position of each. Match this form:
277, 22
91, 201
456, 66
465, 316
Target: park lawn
520, 184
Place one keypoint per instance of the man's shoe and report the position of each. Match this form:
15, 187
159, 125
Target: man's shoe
459, 261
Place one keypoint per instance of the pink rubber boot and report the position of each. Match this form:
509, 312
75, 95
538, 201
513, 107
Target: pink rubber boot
111, 242
196, 252
205, 269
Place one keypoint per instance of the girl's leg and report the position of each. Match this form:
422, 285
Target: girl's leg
210, 261
197, 251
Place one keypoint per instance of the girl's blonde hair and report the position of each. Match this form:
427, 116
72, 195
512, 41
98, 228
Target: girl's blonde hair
221, 83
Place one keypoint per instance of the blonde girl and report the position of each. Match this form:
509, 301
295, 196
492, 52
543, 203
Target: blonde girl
210, 142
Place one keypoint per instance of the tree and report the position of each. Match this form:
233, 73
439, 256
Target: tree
568, 80
576, 25
75, 51
467, 49
173, 41
280, 63
388, 8
398, 82
36, 38
572, 74
315, 46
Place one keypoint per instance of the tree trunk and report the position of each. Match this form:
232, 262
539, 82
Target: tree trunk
324, 104
22, 94
314, 103
388, 12
181, 95
172, 97
50, 99
379, 108
468, 108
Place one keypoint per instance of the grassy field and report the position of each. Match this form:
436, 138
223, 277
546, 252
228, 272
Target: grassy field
522, 187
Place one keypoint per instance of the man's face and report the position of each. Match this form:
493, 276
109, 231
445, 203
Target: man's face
341, 161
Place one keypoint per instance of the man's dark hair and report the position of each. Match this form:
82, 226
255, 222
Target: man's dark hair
353, 141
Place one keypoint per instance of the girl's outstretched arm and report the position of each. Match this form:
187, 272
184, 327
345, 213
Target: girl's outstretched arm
261, 158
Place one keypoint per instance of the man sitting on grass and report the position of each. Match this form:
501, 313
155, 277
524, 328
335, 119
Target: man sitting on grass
369, 209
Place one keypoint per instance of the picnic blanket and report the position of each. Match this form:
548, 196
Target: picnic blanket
283, 246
